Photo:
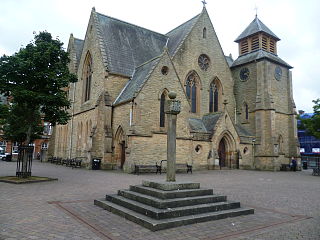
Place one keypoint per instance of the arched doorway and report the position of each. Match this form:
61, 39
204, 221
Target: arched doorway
222, 153
226, 147
120, 148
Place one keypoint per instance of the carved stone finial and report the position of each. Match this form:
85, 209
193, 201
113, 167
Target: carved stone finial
172, 95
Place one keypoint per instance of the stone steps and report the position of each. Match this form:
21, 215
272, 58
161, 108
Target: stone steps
155, 224
171, 194
161, 205
157, 213
169, 203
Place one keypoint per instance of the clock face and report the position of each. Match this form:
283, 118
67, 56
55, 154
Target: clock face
244, 74
277, 73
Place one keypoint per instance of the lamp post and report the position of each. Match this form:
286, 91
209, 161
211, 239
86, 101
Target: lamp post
253, 159
173, 108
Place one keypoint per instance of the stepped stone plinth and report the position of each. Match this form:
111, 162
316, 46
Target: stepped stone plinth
159, 205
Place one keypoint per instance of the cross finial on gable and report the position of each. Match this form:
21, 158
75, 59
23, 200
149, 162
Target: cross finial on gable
204, 3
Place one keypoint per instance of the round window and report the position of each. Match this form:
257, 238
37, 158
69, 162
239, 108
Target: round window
204, 62
198, 148
164, 70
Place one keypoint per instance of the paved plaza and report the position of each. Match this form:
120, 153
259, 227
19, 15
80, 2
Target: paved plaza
287, 205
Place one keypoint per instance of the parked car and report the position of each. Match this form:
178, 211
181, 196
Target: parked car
5, 156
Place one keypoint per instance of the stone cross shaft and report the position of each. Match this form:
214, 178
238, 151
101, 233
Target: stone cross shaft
173, 108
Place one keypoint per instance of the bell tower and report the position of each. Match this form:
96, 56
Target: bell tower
264, 101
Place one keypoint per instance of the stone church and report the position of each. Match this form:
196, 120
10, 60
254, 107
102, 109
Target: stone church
234, 113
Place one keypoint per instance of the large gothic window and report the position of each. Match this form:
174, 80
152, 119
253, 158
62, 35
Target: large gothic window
162, 113
213, 97
87, 71
192, 90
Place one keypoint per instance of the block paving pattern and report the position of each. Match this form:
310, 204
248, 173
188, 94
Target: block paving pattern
286, 206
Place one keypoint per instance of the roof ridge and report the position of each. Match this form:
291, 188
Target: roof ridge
104, 53
187, 34
258, 22
119, 20
150, 60
183, 24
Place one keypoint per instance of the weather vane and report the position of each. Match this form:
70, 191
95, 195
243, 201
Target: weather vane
204, 3
256, 9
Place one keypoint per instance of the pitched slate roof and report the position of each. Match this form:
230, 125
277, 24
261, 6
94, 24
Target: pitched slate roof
197, 125
206, 124
254, 27
259, 55
242, 131
210, 120
179, 34
229, 60
137, 81
126, 45
78, 45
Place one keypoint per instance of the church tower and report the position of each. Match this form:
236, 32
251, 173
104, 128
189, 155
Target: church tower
263, 93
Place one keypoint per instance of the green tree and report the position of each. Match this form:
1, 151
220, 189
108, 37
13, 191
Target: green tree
312, 125
35, 78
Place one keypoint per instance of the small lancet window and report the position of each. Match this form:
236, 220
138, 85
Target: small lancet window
162, 113
204, 33
246, 111
192, 91
87, 77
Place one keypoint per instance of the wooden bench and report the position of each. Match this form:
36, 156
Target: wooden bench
75, 163
316, 171
285, 167
147, 168
180, 167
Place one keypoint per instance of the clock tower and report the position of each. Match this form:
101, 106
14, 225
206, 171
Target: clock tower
264, 101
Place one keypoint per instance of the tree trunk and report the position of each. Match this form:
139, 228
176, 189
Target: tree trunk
25, 156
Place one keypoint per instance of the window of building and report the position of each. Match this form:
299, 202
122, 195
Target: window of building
3, 145
44, 146
244, 47
192, 90
214, 93
162, 113
264, 43
47, 128
87, 77
164, 70
204, 62
204, 33
15, 147
255, 43
272, 45
246, 109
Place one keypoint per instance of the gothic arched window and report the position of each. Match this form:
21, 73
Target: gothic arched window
213, 97
192, 90
162, 113
87, 70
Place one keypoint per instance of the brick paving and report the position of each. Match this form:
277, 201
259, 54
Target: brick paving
286, 206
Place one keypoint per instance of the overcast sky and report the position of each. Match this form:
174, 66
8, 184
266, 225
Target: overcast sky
295, 22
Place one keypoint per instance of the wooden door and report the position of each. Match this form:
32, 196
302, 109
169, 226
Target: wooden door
222, 153
123, 153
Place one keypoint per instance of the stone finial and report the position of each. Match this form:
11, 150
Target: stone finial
93, 9
172, 95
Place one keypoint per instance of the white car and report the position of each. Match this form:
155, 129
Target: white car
3, 156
